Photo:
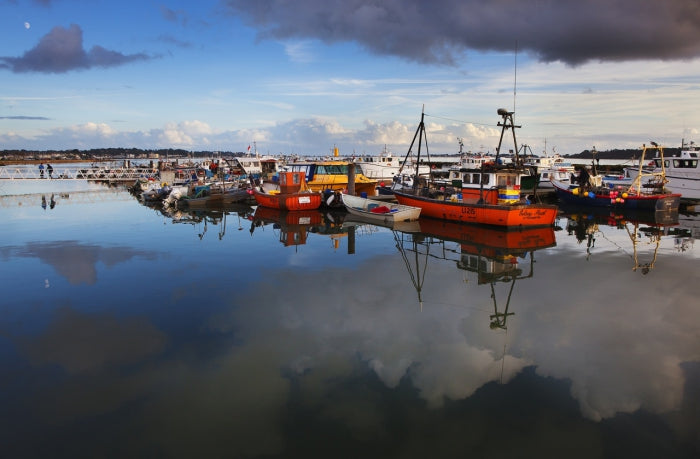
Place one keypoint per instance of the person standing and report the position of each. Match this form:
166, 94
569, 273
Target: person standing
41, 170
49, 169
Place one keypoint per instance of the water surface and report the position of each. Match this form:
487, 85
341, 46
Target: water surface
129, 332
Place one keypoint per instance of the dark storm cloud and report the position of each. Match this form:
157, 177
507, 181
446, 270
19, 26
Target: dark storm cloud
571, 31
61, 51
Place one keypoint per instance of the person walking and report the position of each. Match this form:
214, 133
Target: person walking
41, 170
49, 169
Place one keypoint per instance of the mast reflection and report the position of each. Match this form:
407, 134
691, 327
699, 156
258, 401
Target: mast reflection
493, 255
644, 229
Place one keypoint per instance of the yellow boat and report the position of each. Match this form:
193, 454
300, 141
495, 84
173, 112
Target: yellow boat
333, 175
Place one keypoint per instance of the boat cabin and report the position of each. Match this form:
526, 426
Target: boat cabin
333, 175
494, 186
292, 182
687, 160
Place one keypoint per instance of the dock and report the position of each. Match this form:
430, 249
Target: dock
73, 172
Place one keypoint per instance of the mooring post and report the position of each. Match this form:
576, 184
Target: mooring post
351, 178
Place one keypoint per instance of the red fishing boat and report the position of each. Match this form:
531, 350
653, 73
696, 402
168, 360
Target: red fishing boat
496, 200
291, 194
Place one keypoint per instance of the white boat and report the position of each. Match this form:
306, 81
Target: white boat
551, 168
385, 166
379, 211
682, 172
253, 165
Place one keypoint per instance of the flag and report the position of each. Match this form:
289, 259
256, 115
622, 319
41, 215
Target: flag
249, 148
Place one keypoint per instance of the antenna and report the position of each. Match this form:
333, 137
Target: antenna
515, 72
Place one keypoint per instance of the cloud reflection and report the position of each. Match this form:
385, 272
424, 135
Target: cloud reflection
620, 353
81, 342
76, 261
308, 339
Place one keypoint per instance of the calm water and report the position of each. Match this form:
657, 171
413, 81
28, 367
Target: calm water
129, 333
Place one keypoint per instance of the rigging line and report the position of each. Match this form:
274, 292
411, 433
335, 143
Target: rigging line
459, 121
622, 249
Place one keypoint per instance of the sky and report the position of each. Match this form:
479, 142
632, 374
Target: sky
303, 76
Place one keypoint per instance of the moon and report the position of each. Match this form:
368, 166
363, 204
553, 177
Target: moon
27, 25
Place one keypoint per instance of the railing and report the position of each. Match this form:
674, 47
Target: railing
101, 173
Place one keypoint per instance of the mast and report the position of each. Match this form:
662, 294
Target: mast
507, 124
420, 131
657, 179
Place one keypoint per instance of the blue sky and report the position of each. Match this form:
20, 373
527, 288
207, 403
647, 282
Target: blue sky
298, 77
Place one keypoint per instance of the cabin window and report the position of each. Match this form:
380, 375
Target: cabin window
685, 163
333, 169
501, 181
296, 179
466, 178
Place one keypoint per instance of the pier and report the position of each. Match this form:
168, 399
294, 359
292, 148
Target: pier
78, 172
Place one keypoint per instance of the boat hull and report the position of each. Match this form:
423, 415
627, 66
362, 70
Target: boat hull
218, 199
652, 202
289, 201
687, 186
491, 241
517, 215
367, 208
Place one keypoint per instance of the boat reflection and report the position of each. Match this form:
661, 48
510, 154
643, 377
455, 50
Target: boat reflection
491, 255
216, 216
293, 227
642, 229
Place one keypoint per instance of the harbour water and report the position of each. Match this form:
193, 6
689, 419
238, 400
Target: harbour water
126, 332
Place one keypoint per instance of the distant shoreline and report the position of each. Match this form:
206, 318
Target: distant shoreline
12, 162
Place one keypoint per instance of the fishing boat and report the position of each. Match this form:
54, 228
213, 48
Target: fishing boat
379, 211
212, 195
551, 168
682, 172
490, 195
646, 192
292, 194
332, 175
385, 166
